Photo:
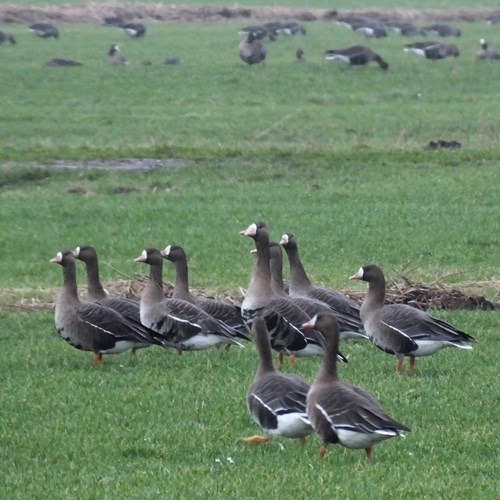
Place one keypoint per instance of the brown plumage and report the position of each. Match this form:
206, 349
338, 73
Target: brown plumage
356, 55
114, 56
433, 50
252, 50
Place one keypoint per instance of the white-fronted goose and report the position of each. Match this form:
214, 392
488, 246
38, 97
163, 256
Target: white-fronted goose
290, 28
406, 29
441, 30
185, 325
310, 305
44, 30
114, 56
356, 55
340, 412
345, 309
230, 314
283, 318
433, 50
252, 50
276, 402
400, 329
62, 61
7, 37
134, 30
485, 52
90, 326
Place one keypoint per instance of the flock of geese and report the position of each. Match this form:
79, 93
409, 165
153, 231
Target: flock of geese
252, 49
295, 318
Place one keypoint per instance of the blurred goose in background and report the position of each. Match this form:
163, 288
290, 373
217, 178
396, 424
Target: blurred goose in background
114, 21
61, 61
252, 50
485, 52
134, 30
230, 314
441, 30
259, 32
44, 30
283, 318
185, 325
276, 402
340, 412
7, 37
400, 329
90, 326
406, 29
171, 60
356, 55
433, 50
290, 28
114, 56
300, 56
345, 309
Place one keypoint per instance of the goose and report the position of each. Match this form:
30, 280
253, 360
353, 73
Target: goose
345, 309
485, 52
276, 402
283, 318
134, 30
186, 326
230, 314
259, 31
114, 56
356, 55
341, 412
441, 30
406, 29
172, 60
290, 28
371, 29
400, 329
90, 326
433, 50
44, 30
7, 37
114, 21
252, 50
61, 61
300, 56
309, 304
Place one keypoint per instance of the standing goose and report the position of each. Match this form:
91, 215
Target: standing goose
283, 318
90, 326
276, 402
400, 329
7, 37
252, 50
345, 309
340, 412
134, 30
433, 50
310, 305
44, 30
230, 314
114, 56
185, 325
485, 52
356, 55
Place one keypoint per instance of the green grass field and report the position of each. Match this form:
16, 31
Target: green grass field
335, 155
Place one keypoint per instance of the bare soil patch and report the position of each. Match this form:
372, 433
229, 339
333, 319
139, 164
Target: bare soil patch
94, 12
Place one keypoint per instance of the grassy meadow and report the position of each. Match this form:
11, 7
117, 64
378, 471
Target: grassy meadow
335, 155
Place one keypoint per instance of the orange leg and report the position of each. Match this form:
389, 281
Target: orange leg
280, 360
412, 364
97, 358
292, 359
256, 439
368, 453
322, 451
399, 365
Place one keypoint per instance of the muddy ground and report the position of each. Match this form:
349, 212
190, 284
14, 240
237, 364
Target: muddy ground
154, 12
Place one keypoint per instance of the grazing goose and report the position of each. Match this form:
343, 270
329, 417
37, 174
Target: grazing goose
230, 314
252, 50
406, 29
186, 326
340, 412
485, 52
345, 309
276, 402
433, 50
356, 55
310, 305
371, 29
400, 329
7, 37
134, 30
61, 61
441, 30
90, 326
114, 56
290, 28
114, 21
44, 30
283, 318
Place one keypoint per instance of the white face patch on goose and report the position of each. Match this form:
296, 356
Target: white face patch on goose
360, 272
76, 253
166, 252
144, 254
284, 239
